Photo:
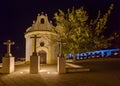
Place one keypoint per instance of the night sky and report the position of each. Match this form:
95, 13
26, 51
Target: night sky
17, 15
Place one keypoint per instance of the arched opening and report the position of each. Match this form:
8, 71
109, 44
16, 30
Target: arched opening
43, 56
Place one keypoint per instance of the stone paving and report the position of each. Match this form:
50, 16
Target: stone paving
103, 73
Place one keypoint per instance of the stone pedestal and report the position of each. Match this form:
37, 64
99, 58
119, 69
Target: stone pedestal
34, 64
61, 65
74, 59
8, 64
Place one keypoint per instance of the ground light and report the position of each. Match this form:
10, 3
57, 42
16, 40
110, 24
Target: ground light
21, 72
48, 72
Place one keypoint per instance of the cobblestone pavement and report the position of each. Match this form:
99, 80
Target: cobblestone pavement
103, 73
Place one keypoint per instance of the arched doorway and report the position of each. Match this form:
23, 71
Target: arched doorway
43, 56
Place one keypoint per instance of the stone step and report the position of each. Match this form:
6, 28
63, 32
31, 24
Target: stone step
75, 70
73, 65
70, 67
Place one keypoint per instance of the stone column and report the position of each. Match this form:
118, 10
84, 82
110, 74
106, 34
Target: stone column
34, 64
61, 64
8, 65
8, 60
74, 59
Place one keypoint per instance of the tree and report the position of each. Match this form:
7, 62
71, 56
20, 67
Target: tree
80, 33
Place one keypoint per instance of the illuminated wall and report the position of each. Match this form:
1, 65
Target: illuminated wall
43, 29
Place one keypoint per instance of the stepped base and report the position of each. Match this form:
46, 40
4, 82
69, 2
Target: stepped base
72, 68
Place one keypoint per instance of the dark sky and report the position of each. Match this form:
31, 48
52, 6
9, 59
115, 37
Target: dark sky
17, 15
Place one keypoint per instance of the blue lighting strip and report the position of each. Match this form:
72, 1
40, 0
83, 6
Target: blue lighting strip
94, 54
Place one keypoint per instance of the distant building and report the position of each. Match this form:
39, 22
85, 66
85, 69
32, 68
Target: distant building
46, 46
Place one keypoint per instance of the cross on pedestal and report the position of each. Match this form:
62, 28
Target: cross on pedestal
8, 43
60, 48
35, 40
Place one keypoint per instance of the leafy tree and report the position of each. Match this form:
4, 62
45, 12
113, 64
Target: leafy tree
80, 33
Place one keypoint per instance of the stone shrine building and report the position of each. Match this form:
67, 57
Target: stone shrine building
46, 46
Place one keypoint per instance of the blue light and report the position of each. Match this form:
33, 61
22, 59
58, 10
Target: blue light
94, 54
77, 56
108, 52
70, 56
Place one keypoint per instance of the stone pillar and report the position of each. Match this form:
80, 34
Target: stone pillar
61, 64
8, 60
74, 59
8, 65
34, 64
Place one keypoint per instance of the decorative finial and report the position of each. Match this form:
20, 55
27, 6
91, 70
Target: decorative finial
42, 13
33, 21
45, 14
50, 22
38, 14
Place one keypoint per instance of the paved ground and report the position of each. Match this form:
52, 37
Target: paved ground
103, 73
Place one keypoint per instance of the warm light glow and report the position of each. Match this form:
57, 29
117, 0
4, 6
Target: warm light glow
21, 72
48, 72
43, 71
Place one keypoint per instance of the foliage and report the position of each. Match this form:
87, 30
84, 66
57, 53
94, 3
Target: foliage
80, 33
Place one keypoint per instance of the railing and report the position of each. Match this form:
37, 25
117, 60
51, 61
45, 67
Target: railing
96, 54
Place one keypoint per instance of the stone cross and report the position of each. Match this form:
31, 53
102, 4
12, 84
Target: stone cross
60, 47
35, 40
8, 43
